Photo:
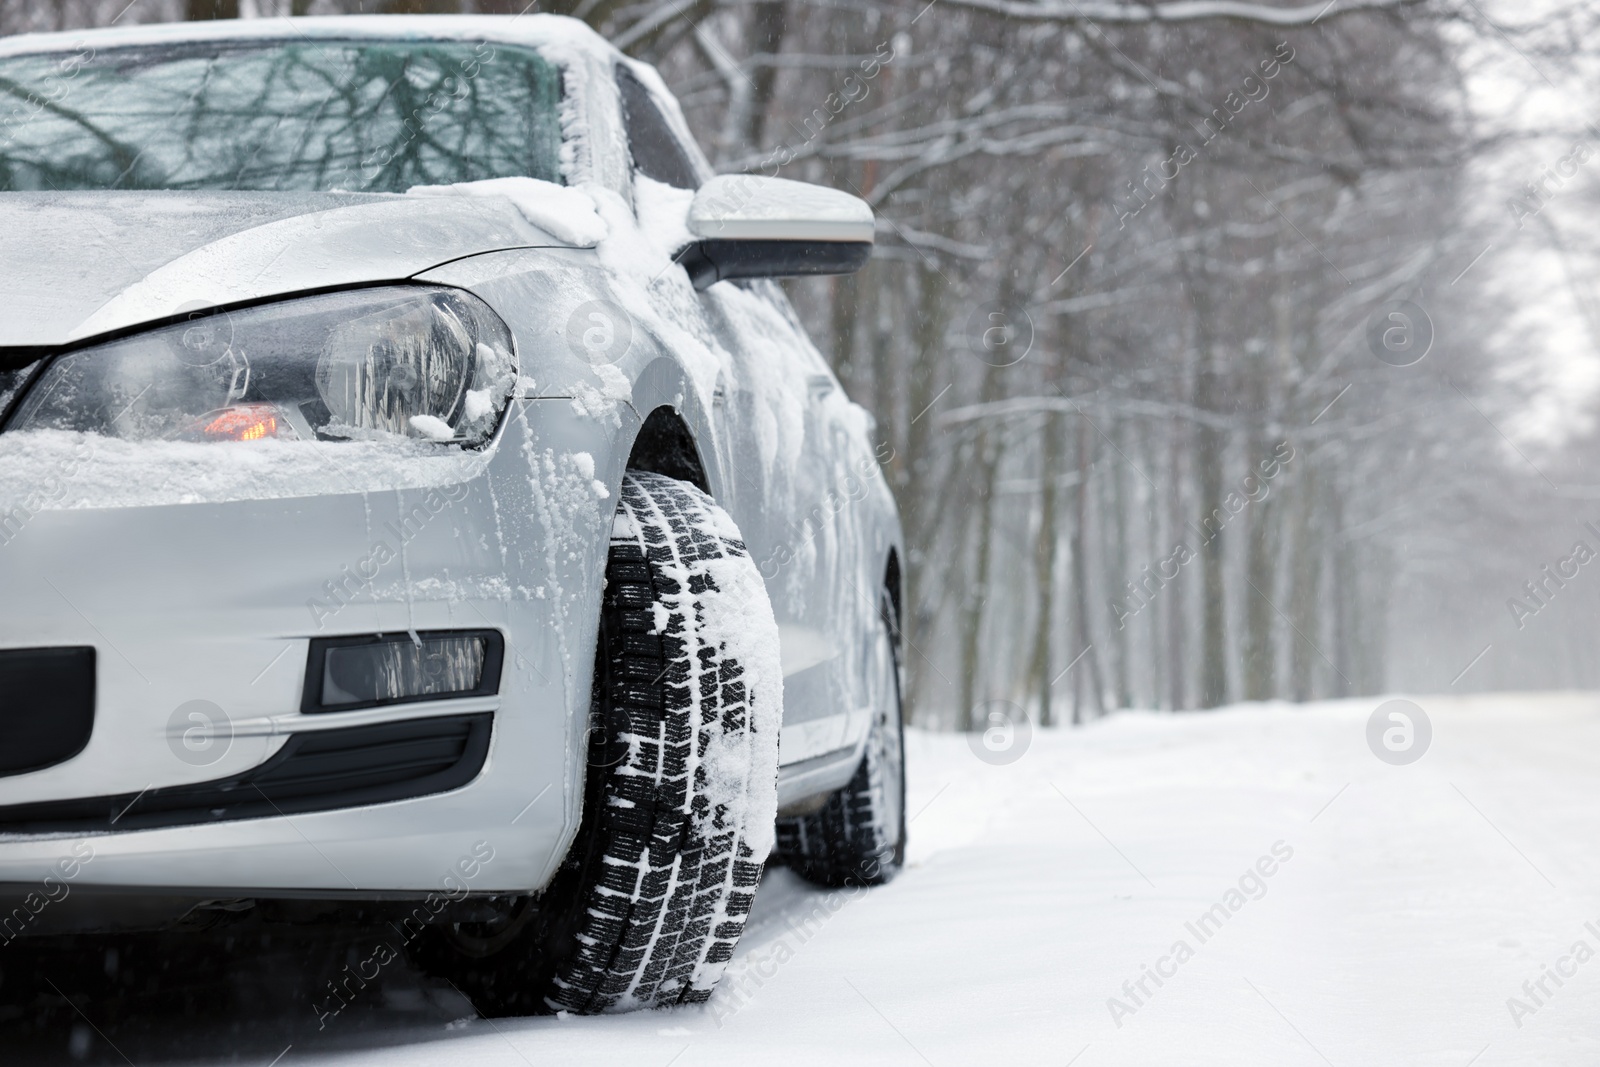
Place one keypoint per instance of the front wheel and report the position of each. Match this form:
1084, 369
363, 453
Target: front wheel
858, 837
680, 795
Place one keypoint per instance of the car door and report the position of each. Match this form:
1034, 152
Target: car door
784, 431
817, 561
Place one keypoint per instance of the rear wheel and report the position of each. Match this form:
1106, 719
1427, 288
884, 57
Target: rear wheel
858, 837
680, 795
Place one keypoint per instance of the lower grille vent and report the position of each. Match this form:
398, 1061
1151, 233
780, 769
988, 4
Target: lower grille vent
319, 771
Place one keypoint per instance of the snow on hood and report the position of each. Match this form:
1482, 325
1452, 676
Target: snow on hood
76, 265
567, 213
79, 264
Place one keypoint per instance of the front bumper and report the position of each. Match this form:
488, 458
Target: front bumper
213, 605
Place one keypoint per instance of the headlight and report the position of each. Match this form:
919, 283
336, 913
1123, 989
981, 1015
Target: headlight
431, 363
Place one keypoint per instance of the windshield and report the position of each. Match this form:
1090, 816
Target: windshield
291, 116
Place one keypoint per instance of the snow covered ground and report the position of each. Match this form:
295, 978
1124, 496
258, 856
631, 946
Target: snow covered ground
1405, 907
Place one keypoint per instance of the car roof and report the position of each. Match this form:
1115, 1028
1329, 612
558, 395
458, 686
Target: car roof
548, 33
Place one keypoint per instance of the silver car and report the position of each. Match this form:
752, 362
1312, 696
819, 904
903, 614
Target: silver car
418, 503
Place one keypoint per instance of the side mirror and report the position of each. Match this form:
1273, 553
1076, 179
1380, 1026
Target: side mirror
748, 226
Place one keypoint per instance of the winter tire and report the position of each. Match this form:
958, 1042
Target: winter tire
680, 796
858, 837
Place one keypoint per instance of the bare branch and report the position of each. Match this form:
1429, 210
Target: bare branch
1178, 11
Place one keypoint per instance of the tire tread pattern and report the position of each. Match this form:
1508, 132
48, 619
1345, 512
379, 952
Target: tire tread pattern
679, 874
849, 841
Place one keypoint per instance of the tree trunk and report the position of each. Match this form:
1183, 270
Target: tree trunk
770, 21
204, 10
1305, 576
912, 473
1210, 391
1155, 550
1086, 675
1343, 597
1115, 511
990, 452
1045, 552
844, 306
1213, 632
422, 7
1173, 601
1261, 564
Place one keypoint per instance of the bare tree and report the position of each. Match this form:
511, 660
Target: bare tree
1201, 484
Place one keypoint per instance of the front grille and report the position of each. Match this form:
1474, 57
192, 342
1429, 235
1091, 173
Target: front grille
46, 706
319, 771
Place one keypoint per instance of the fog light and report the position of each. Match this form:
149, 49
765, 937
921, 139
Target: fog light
346, 673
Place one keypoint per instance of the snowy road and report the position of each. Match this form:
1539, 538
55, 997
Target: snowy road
1404, 907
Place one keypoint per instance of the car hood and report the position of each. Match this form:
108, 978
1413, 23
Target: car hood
80, 264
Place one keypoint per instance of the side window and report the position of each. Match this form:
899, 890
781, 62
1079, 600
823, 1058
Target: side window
655, 150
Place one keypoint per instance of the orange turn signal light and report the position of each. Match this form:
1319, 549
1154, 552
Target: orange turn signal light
246, 422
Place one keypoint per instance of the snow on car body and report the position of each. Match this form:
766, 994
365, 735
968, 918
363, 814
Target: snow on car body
216, 567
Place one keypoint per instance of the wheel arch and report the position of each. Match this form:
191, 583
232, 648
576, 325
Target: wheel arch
665, 445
